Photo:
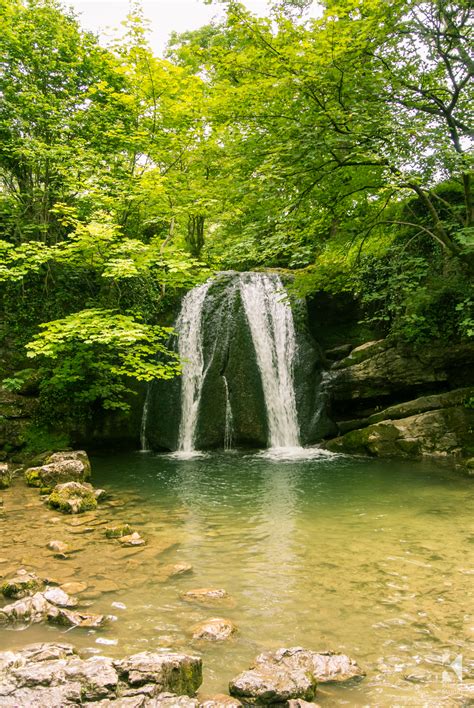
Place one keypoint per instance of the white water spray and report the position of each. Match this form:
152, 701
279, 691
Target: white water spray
229, 421
271, 324
189, 327
143, 438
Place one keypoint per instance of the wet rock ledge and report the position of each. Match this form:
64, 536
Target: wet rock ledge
53, 674
46, 675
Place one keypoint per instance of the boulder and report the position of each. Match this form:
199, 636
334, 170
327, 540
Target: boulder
5, 476
68, 618
215, 629
66, 455
21, 585
49, 475
60, 598
292, 674
177, 673
73, 498
29, 610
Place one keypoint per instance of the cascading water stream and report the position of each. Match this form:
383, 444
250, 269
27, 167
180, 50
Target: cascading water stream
190, 350
271, 324
229, 421
143, 438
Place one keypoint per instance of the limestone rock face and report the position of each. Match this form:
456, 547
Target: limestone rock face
379, 369
59, 470
292, 674
46, 675
437, 433
392, 401
73, 498
215, 629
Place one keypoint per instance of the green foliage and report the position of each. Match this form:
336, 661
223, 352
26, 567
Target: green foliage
282, 142
17, 381
39, 438
91, 355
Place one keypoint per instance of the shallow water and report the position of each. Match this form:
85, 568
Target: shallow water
372, 558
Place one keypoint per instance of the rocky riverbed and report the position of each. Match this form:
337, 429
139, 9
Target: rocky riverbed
166, 570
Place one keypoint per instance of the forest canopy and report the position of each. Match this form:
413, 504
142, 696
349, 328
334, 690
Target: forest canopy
337, 148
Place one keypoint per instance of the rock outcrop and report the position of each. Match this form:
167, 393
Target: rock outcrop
392, 401
45, 675
292, 674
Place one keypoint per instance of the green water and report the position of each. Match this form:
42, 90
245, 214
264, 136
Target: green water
371, 558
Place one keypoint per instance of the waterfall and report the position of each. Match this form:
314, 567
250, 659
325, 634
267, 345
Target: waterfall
271, 324
188, 326
143, 438
229, 422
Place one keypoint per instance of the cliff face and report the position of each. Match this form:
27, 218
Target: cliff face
389, 400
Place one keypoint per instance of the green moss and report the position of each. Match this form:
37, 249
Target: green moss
71, 502
32, 477
118, 531
5, 480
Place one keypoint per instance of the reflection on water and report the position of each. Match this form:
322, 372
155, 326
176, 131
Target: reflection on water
367, 557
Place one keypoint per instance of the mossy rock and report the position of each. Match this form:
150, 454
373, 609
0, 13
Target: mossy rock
118, 531
22, 585
73, 498
58, 471
5, 476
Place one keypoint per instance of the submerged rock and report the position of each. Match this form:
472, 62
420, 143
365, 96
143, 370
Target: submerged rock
174, 571
118, 531
134, 539
277, 677
208, 596
22, 584
171, 700
215, 629
221, 699
59, 548
74, 587
73, 498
